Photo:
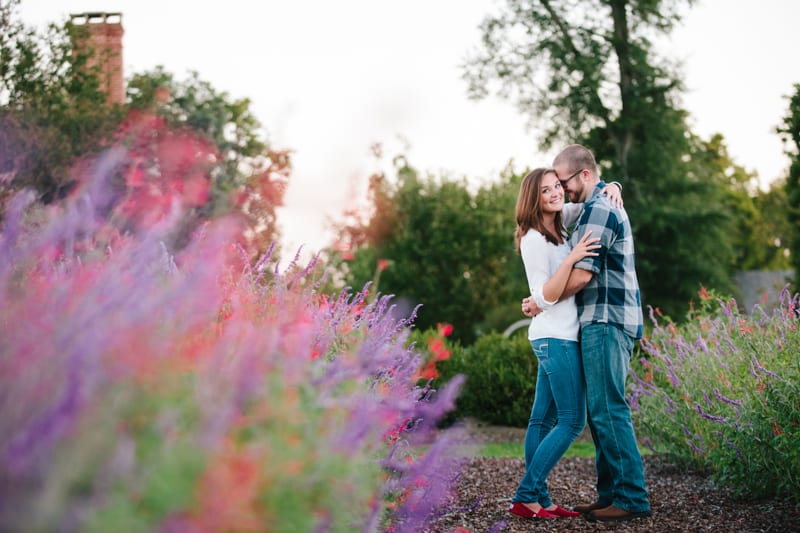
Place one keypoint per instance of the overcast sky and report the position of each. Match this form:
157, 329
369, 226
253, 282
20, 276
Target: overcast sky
329, 78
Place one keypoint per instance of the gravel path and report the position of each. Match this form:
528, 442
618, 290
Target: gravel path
680, 500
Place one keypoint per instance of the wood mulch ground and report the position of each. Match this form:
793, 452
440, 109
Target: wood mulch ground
680, 500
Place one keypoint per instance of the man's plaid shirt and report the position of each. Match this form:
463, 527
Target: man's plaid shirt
612, 296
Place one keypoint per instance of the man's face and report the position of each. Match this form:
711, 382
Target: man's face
572, 182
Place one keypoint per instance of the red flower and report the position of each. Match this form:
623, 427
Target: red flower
438, 349
428, 371
703, 294
383, 264
445, 329
776, 429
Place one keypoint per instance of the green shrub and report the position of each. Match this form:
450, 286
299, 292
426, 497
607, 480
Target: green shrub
501, 379
721, 393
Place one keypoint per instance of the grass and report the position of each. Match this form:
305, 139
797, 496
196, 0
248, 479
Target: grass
579, 448
515, 449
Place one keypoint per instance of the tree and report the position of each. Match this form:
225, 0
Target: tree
51, 107
774, 230
53, 115
790, 131
249, 176
433, 242
587, 73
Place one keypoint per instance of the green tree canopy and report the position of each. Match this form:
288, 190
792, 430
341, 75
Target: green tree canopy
774, 229
761, 231
790, 132
249, 176
587, 72
445, 246
228, 122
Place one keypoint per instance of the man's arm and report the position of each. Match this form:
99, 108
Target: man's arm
578, 279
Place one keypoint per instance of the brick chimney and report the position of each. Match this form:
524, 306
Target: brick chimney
102, 40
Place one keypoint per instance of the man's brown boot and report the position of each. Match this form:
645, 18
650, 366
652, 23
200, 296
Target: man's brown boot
587, 507
614, 514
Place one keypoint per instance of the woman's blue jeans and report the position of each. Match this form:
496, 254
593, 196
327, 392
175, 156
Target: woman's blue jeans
557, 417
606, 353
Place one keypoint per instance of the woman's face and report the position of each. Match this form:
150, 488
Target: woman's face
552, 194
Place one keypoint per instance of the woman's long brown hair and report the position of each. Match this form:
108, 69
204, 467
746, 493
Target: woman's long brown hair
529, 208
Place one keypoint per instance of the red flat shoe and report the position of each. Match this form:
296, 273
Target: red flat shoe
525, 512
560, 512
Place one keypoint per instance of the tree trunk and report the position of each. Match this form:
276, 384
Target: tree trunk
621, 43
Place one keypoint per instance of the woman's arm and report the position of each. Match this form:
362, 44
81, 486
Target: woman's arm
535, 253
554, 287
546, 289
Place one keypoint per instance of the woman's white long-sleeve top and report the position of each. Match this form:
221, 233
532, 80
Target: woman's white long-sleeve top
541, 259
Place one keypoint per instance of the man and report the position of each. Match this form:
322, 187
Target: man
610, 313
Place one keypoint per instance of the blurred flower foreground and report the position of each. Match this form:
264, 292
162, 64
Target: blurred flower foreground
154, 381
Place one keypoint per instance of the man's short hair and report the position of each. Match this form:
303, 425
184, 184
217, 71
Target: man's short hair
577, 157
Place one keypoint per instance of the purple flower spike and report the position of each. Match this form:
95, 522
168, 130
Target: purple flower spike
724, 399
708, 416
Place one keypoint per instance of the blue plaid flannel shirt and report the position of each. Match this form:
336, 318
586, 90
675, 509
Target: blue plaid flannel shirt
612, 296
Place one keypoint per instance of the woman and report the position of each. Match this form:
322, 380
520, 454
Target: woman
559, 409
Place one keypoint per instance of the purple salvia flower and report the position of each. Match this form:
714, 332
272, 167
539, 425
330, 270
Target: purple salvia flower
734, 349
652, 315
727, 309
645, 387
673, 378
701, 343
756, 365
695, 449
707, 398
721, 363
38, 436
739, 453
729, 401
633, 401
707, 416
682, 349
668, 399
753, 370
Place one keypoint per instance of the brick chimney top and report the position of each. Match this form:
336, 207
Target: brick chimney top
96, 17
103, 41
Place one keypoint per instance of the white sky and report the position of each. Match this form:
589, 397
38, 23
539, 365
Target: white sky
329, 78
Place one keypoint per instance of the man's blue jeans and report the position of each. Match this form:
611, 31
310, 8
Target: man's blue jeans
606, 352
557, 417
